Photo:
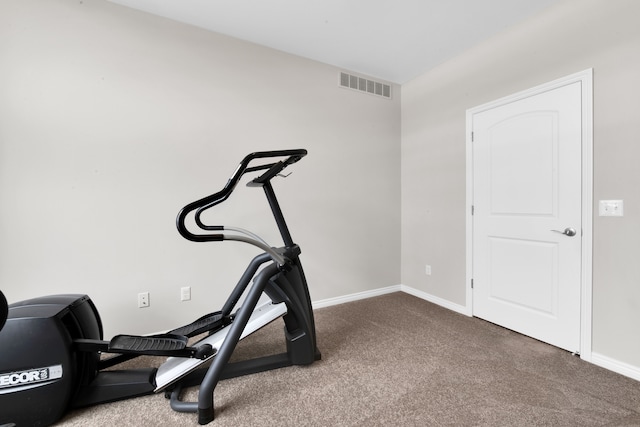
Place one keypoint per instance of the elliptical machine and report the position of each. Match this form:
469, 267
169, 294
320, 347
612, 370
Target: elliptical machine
51, 347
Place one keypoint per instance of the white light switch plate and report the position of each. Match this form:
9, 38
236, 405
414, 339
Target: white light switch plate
611, 208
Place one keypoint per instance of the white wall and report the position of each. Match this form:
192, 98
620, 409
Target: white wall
111, 120
570, 37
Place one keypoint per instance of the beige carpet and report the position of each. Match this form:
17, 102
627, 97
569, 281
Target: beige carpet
396, 360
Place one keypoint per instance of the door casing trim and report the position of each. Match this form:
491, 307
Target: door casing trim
586, 79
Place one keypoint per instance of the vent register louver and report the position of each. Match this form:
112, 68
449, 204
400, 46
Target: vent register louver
365, 85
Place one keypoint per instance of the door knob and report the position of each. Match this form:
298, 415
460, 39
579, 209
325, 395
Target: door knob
567, 231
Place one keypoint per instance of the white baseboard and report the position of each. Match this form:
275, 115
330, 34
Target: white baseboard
616, 366
354, 297
397, 288
436, 300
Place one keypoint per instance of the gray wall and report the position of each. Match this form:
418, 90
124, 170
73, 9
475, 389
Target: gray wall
570, 37
111, 120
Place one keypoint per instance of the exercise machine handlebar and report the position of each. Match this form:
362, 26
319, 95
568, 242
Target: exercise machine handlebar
273, 169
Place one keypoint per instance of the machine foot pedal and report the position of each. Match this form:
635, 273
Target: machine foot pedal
158, 345
147, 344
209, 322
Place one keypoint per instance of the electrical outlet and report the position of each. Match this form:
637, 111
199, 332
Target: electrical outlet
611, 208
427, 270
143, 299
185, 293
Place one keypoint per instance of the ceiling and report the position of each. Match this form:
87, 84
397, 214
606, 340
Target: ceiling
393, 40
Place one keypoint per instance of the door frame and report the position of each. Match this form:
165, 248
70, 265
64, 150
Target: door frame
586, 289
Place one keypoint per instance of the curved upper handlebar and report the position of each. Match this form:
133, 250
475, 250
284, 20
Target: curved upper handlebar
199, 206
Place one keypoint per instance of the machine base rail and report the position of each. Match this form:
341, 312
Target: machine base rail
175, 368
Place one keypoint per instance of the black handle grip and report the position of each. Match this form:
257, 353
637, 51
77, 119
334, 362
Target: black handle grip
4, 310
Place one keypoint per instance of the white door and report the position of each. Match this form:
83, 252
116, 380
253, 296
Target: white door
527, 217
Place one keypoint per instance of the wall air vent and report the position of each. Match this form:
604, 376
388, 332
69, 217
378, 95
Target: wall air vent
365, 85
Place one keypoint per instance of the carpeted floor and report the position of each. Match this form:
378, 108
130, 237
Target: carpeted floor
396, 360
